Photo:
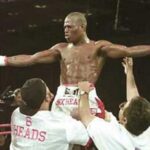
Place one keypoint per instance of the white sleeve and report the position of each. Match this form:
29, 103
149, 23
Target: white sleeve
107, 135
3, 60
99, 130
76, 132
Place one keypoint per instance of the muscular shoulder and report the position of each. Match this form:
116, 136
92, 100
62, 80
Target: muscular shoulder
102, 43
59, 46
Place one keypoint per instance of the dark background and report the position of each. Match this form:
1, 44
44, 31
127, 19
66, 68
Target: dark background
29, 26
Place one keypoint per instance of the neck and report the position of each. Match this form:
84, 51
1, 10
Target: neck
84, 39
44, 106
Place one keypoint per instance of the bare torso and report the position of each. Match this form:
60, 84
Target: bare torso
80, 63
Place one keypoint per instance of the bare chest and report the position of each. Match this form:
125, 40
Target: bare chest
77, 55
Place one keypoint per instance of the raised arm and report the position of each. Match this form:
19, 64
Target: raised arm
131, 87
46, 56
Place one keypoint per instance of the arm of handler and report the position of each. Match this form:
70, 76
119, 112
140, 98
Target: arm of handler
131, 87
84, 110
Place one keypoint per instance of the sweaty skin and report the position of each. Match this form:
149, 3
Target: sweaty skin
80, 63
81, 59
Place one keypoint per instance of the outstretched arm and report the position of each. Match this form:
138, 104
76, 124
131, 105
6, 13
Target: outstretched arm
118, 51
46, 56
131, 87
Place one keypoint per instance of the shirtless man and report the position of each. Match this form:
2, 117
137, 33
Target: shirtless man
81, 59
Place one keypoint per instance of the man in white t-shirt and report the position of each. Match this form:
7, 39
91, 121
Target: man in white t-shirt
34, 127
132, 132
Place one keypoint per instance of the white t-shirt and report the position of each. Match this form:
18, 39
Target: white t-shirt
113, 136
46, 131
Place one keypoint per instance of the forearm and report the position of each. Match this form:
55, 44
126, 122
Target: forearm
84, 110
119, 51
138, 51
19, 60
131, 86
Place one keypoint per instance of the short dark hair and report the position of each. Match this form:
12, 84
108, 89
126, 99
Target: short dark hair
33, 92
138, 115
80, 17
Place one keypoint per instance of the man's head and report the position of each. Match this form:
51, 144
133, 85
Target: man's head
17, 98
75, 26
135, 115
17, 93
34, 92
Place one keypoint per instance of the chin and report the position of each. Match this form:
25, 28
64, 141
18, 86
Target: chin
68, 40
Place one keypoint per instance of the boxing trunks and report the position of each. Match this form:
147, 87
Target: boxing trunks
67, 99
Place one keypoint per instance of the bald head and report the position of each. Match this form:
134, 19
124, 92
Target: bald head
79, 18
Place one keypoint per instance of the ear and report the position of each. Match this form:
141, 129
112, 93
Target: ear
82, 27
124, 120
49, 97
